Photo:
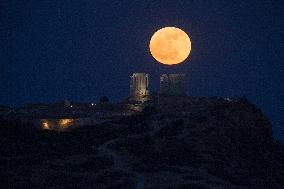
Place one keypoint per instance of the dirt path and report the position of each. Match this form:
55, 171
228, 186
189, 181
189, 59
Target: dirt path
120, 163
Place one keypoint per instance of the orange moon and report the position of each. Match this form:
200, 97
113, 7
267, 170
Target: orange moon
170, 45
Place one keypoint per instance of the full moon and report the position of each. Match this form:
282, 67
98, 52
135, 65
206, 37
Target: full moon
170, 45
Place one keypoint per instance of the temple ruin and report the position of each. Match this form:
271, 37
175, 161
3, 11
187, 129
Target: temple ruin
173, 84
139, 85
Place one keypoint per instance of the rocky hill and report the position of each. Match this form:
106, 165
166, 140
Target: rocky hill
174, 143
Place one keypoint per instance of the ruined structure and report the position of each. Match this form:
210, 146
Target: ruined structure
139, 85
173, 84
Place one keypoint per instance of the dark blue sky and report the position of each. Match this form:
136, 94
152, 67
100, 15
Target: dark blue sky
81, 50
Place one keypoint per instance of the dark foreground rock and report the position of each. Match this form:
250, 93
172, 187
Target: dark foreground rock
213, 145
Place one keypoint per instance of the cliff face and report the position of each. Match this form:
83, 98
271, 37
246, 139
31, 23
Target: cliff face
174, 143
213, 144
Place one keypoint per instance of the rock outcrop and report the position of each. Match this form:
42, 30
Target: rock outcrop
176, 143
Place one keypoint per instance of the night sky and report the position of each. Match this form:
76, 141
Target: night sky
81, 50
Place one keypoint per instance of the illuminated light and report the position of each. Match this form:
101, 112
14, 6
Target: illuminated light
64, 123
170, 45
71, 106
45, 124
